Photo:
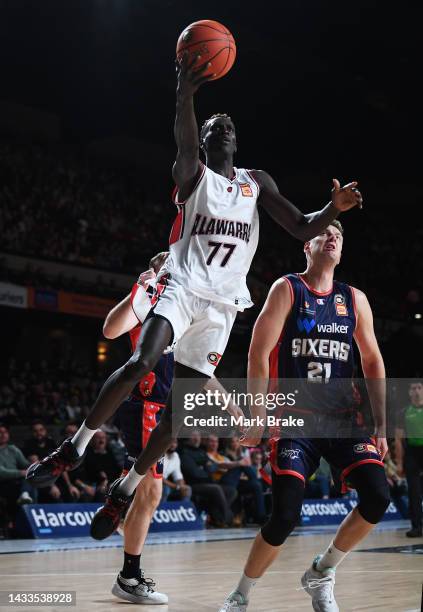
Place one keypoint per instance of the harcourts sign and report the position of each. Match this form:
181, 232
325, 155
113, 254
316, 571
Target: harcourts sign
67, 520
333, 511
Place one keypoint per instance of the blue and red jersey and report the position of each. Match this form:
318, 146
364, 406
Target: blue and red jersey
316, 343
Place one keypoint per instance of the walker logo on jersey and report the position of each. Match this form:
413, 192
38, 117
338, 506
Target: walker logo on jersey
365, 448
340, 306
320, 302
246, 190
333, 328
290, 453
214, 358
220, 227
305, 324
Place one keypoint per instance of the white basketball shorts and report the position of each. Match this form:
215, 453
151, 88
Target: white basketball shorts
201, 327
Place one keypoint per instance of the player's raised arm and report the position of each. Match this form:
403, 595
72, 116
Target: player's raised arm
266, 332
187, 160
121, 319
301, 226
373, 367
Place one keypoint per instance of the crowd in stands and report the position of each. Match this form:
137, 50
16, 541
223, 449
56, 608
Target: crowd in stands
53, 393
57, 205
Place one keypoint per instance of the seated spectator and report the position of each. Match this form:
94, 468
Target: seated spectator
40, 444
318, 486
13, 487
197, 469
35, 449
245, 480
174, 485
100, 465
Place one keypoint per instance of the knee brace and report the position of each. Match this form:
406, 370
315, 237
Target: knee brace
287, 499
373, 491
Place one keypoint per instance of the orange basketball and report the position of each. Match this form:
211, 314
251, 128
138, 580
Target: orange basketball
213, 42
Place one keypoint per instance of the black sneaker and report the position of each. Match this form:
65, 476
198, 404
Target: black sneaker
415, 532
106, 519
45, 472
138, 590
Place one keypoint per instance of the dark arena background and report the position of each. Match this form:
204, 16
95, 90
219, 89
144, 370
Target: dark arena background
319, 90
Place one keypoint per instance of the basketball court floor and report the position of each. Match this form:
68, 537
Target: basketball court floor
197, 570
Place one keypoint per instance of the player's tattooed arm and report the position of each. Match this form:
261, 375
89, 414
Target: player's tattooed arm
187, 163
266, 332
373, 367
301, 226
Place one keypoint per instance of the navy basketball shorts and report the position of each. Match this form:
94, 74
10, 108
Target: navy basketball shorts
300, 457
136, 418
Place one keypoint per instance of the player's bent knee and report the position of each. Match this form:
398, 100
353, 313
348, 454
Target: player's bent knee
278, 528
374, 504
137, 367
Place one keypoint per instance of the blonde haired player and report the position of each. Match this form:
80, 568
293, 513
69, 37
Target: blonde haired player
305, 331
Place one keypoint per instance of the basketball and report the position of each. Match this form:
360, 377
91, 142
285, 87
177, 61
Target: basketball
213, 42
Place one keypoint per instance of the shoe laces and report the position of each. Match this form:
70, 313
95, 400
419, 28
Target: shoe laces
148, 582
325, 584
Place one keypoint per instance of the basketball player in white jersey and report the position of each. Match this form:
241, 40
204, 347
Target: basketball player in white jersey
202, 285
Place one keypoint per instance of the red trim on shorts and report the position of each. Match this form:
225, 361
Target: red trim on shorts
273, 458
200, 173
350, 468
311, 288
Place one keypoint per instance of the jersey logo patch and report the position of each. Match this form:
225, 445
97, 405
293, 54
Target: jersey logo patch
214, 358
305, 325
340, 306
365, 448
246, 190
290, 453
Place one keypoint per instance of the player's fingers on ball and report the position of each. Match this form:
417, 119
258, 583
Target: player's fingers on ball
194, 61
199, 71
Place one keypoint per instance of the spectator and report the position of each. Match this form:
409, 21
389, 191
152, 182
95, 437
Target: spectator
245, 480
397, 485
318, 486
13, 487
100, 465
35, 449
174, 485
409, 454
197, 468
40, 444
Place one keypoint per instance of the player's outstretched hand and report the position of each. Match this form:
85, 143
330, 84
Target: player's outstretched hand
190, 74
252, 436
346, 197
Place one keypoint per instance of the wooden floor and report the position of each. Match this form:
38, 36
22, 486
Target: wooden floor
198, 576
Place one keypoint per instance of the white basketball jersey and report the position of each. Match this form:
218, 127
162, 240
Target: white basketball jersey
214, 237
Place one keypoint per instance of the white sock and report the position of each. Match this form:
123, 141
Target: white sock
331, 557
245, 584
82, 438
130, 482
